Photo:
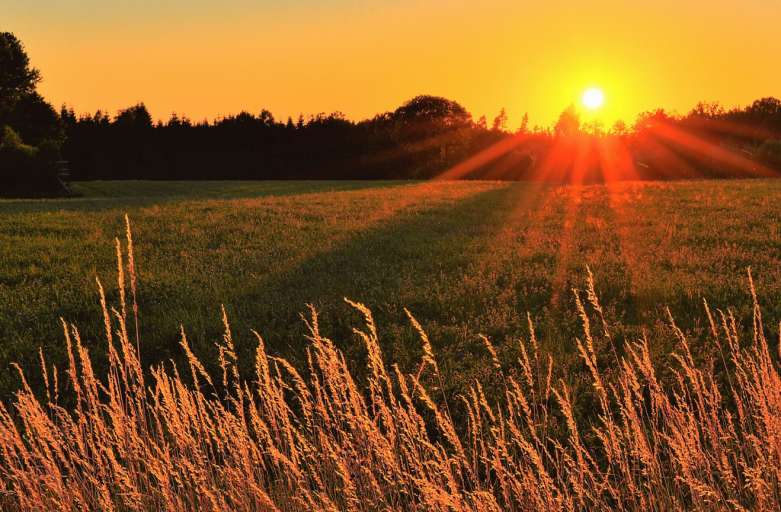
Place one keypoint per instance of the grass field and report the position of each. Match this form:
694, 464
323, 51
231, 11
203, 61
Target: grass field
465, 258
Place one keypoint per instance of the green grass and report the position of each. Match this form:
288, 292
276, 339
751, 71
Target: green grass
215, 189
465, 258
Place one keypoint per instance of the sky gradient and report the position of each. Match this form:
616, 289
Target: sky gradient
205, 60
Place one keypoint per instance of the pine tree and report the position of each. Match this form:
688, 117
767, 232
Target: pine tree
500, 122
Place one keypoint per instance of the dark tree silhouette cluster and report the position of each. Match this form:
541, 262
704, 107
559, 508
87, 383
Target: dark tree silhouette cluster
419, 140
31, 131
422, 139
426, 137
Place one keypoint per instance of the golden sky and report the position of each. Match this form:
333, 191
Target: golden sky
206, 58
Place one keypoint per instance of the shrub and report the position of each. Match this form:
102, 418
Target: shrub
27, 171
769, 153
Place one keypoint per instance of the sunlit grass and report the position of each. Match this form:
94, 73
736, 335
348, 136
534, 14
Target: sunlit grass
321, 438
465, 258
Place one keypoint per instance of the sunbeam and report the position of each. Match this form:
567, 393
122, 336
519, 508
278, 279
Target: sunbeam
484, 157
709, 150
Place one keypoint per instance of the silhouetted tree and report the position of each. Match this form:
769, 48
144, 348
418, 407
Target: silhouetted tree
652, 119
764, 108
32, 131
619, 129
433, 130
425, 116
595, 127
34, 119
764, 114
524, 128
132, 131
712, 110
21, 107
500, 122
16, 76
568, 123
134, 118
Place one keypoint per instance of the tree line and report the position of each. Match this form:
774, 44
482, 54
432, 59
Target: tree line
421, 139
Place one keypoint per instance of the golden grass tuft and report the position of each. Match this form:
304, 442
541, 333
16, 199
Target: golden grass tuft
322, 442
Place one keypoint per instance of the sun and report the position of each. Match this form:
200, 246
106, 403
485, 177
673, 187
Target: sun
593, 98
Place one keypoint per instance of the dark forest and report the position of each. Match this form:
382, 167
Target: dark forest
427, 137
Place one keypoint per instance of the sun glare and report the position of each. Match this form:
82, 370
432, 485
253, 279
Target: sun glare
593, 98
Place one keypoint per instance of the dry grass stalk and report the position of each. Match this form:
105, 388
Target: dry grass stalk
288, 442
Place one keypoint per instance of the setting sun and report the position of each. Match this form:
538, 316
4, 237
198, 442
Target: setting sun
593, 98
251, 168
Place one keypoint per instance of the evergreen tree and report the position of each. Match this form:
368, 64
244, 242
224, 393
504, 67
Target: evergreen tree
500, 122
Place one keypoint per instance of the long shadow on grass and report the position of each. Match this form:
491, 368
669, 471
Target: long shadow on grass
43, 283
387, 269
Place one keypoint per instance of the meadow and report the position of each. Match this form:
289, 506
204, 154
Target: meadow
465, 259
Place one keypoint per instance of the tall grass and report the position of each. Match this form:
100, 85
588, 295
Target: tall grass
324, 441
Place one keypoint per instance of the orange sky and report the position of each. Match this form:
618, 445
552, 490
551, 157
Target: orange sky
206, 59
